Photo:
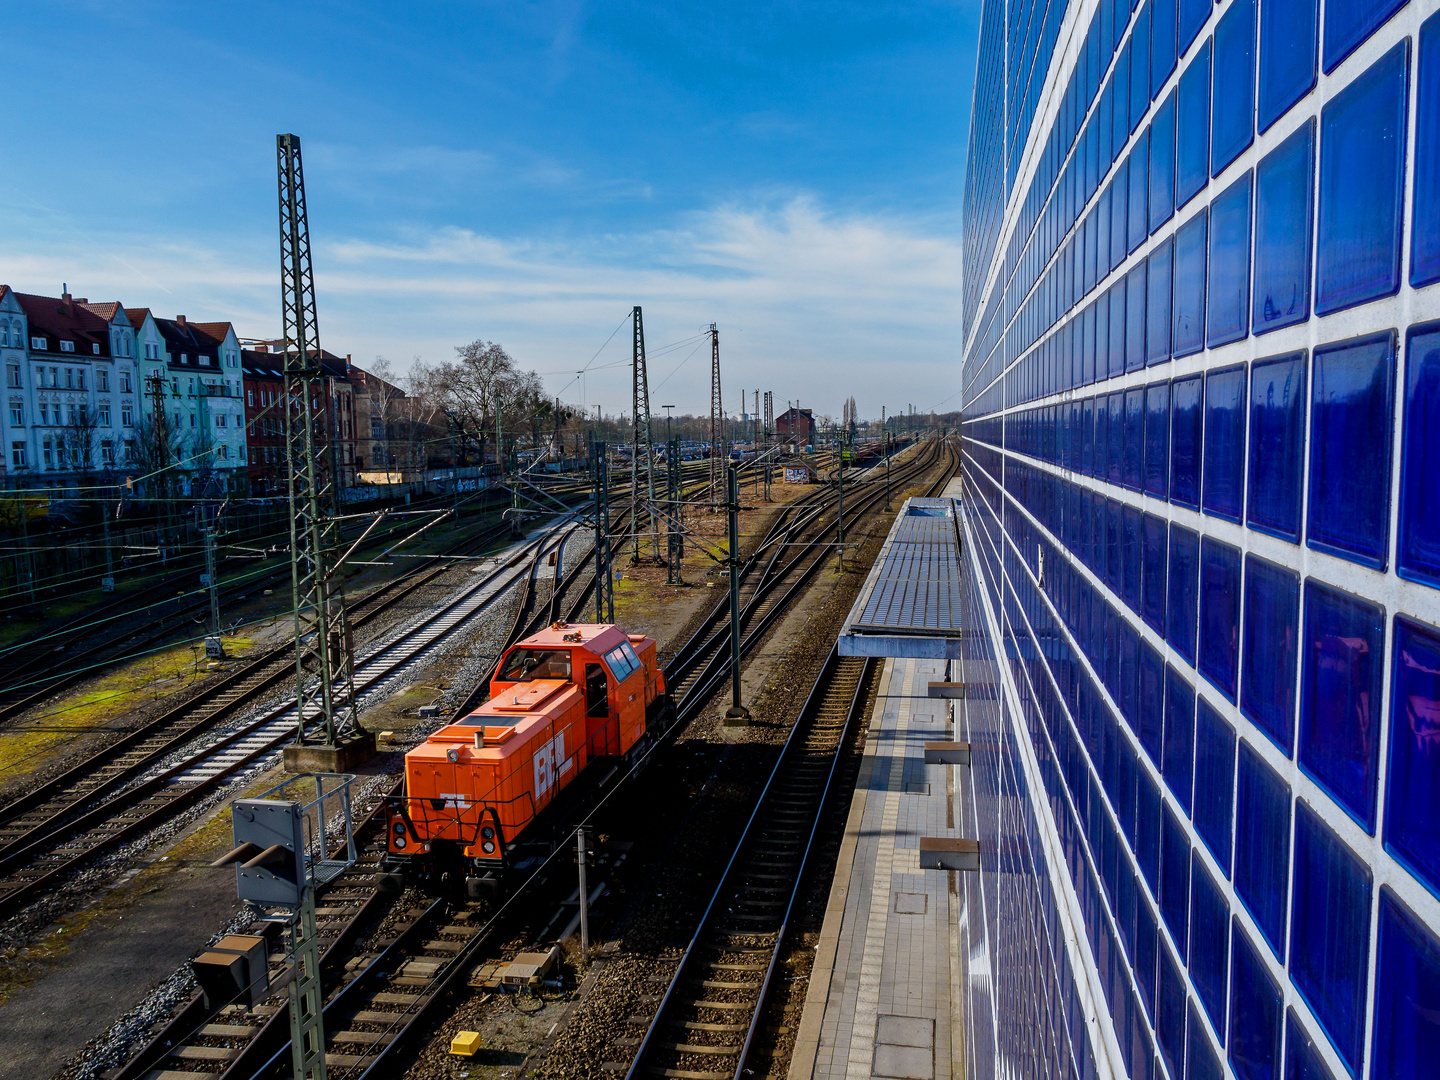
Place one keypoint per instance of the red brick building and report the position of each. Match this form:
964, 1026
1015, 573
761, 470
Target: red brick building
264, 377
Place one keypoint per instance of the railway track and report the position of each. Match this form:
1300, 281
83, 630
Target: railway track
125, 800
706, 1021
396, 989
30, 676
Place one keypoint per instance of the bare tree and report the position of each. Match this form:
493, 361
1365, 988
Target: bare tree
78, 439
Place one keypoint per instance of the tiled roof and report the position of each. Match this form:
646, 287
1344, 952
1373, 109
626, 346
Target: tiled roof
61, 320
106, 311
217, 330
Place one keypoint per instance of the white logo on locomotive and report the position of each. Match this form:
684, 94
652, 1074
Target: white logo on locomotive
550, 760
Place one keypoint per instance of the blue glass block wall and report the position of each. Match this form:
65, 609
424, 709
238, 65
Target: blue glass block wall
1201, 387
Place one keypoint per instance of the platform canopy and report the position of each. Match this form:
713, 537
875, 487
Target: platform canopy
910, 604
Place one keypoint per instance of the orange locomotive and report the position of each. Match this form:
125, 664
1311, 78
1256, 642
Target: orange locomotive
564, 700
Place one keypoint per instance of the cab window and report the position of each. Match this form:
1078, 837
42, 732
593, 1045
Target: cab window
622, 661
524, 665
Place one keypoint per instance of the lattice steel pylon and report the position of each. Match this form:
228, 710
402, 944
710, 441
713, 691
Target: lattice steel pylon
324, 652
769, 416
717, 424
642, 452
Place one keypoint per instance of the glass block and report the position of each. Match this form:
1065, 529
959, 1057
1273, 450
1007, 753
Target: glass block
1135, 301
1116, 336
1232, 113
1102, 252
1417, 554
1362, 174
1412, 795
1407, 986
1284, 216
1119, 222
1228, 297
1425, 198
1175, 878
1214, 781
1262, 845
1147, 816
1162, 43
1157, 320
1155, 559
1179, 751
1225, 442
1130, 578
1140, 67
1340, 687
1188, 301
1192, 128
1289, 30
1157, 439
1330, 932
1351, 417
1349, 22
1277, 438
1270, 648
1209, 943
1115, 443
1201, 1062
1170, 1015
1120, 78
1219, 614
1184, 588
1190, 17
1302, 1057
1256, 1011
1151, 725
1162, 163
1138, 165
1134, 452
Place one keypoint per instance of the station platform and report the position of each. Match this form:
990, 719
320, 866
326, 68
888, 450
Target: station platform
885, 992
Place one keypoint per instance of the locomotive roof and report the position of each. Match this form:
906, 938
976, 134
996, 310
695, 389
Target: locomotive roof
597, 637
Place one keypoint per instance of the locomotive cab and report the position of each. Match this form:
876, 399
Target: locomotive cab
562, 701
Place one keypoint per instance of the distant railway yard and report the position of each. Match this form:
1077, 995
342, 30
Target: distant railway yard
710, 840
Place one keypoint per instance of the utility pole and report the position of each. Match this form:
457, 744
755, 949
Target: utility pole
324, 650
676, 550
451, 423
737, 713
107, 583
885, 449
584, 894
840, 502
604, 580
641, 448
769, 430
717, 475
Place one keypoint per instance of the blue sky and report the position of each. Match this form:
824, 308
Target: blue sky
518, 172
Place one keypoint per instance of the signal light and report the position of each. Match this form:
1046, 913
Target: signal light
398, 828
488, 847
488, 833
452, 755
400, 842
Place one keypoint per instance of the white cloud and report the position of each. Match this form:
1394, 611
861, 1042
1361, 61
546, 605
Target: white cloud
813, 305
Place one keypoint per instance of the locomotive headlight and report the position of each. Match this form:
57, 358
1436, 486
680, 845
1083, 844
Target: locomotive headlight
398, 828
452, 755
488, 846
488, 833
400, 842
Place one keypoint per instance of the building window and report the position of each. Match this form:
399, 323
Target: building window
44, 414
204, 360
127, 416
224, 452
54, 376
17, 455
95, 348
220, 420
80, 379
125, 382
103, 380
250, 398
107, 452
73, 416
104, 415
17, 415
184, 358
48, 455
37, 343
12, 376
67, 346
192, 419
